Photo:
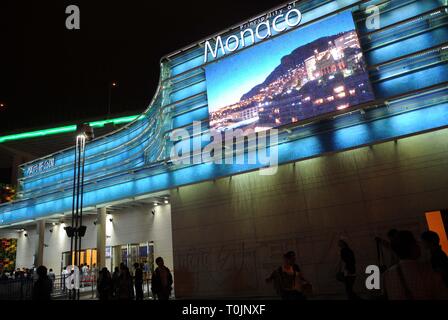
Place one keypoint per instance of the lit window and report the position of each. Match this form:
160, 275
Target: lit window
342, 107
339, 89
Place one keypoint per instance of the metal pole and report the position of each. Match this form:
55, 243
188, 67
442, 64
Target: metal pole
77, 200
79, 144
82, 162
71, 259
109, 100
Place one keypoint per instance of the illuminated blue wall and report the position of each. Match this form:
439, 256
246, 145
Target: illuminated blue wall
407, 57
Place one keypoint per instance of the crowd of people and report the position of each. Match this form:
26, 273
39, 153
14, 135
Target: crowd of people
120, 285
406, 276
19, 274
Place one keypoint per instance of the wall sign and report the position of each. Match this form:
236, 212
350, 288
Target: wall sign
40, 167
254, 31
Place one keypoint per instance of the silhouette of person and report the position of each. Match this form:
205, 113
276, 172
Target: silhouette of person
42, 286
125, 287
52, 277
411, 279
439, 260
138, 282
288, 279
348, 268
104, 284
115, 282
162, 281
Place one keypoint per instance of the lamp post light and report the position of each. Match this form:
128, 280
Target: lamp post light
76, 231
112, 85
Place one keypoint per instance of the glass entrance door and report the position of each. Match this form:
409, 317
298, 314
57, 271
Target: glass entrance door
129, 254
87, 257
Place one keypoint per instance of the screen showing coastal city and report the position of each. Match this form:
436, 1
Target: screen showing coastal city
300, 75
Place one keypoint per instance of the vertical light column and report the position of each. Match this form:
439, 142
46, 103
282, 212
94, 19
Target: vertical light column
40, 243
101, 238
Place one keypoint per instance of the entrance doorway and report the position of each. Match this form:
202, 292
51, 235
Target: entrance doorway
129, 254
87, 257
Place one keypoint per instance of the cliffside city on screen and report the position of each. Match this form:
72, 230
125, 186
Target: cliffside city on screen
305, 73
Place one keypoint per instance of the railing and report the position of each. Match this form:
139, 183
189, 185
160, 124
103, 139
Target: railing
22, 289
87, 285
16, 289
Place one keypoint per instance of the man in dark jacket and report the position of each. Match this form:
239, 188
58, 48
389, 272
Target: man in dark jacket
348, 269
42, 287
138, 282
439, 259
162, 281
125, 287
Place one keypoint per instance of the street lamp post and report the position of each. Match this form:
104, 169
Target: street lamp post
111, 86
76, 231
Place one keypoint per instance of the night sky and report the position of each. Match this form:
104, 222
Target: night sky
50, 75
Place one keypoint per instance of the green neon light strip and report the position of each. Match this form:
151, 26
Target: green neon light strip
65, 129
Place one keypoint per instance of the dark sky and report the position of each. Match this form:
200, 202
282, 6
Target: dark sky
50, 75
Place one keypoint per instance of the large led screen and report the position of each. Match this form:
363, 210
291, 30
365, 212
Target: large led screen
299, 75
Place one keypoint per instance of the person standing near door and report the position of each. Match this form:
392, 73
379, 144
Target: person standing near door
347, 269
439, 260
162, 281
115, 282
125, 288
138, 281
411, 279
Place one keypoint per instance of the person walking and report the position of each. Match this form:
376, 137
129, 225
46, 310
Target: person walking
347, 272
42, 286
138, 281
162, 281
439, 259
115, 282
411, 279
94, 271
104, 284
288, 280
125, 287
52, 277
